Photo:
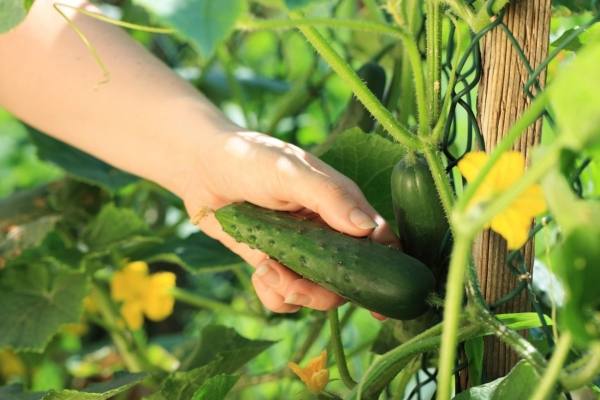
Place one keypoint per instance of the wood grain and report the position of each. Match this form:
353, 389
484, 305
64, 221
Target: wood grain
501, 99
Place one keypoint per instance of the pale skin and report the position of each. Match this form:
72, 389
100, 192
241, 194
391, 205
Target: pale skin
148, 121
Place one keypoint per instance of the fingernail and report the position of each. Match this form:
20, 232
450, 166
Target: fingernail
361, 219
298, 299
267, 274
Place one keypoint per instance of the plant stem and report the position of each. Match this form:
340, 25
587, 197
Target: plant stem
434, 55
203, 302
585, 374
527, 118
452, 309
353, 24
111, 320
338, 348
548, 382
360, 90
440, 179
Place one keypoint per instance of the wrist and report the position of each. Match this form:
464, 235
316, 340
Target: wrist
187, 159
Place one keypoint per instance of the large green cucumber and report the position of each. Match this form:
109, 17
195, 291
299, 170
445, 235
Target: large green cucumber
372, 275
422, 225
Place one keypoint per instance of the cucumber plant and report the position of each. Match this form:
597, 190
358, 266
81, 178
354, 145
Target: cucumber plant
403, 128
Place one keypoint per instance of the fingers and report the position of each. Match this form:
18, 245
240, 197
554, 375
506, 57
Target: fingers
293, 289
270, 298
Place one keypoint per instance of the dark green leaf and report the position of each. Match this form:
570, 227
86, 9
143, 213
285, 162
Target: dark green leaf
474, 353
520, 383
205, 24
21, 237
12, 12
97, 391
112, 226
577, 6
219, 341
368, 160
197, 253
35, 300
79, 164
216, 388
574, 45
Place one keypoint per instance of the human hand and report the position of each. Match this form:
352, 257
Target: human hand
250, 166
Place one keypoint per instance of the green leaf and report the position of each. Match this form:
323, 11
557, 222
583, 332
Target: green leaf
576, 262
97, 391
521, 321
79, 164
575, 99
368, 160
474, 353
22, 237
574, 45
205, 24
222, 351
112, 226
216, 388
35, 300
219, 341
12, 12
196, 253
520, 383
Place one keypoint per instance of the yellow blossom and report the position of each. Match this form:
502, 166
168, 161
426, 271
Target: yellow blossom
315, 376
11, 365
515, 221
141, 293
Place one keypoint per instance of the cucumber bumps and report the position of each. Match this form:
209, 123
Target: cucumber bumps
374, 276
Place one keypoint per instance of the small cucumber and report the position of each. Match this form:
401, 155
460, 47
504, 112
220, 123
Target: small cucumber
374, 276
422, 225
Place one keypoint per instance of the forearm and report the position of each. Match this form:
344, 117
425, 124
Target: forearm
142, 117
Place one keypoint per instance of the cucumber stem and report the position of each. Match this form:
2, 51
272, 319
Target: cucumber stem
338, 349
548, 382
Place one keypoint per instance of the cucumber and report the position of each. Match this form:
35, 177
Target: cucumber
422, 225
374, 276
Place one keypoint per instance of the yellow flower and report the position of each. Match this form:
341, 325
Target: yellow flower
141, 293
515, 221
11, 365
315, 376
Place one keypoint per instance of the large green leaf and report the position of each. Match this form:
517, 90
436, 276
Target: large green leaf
520, 383
79, 164
216, 387
368, 160
27, 235
36, 298
205, 24
576, 261
197, 253
97, 391
222, 351
113, 226
217, 341
576, 100
12, 12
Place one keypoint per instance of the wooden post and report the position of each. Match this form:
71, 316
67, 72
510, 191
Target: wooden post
501, 99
